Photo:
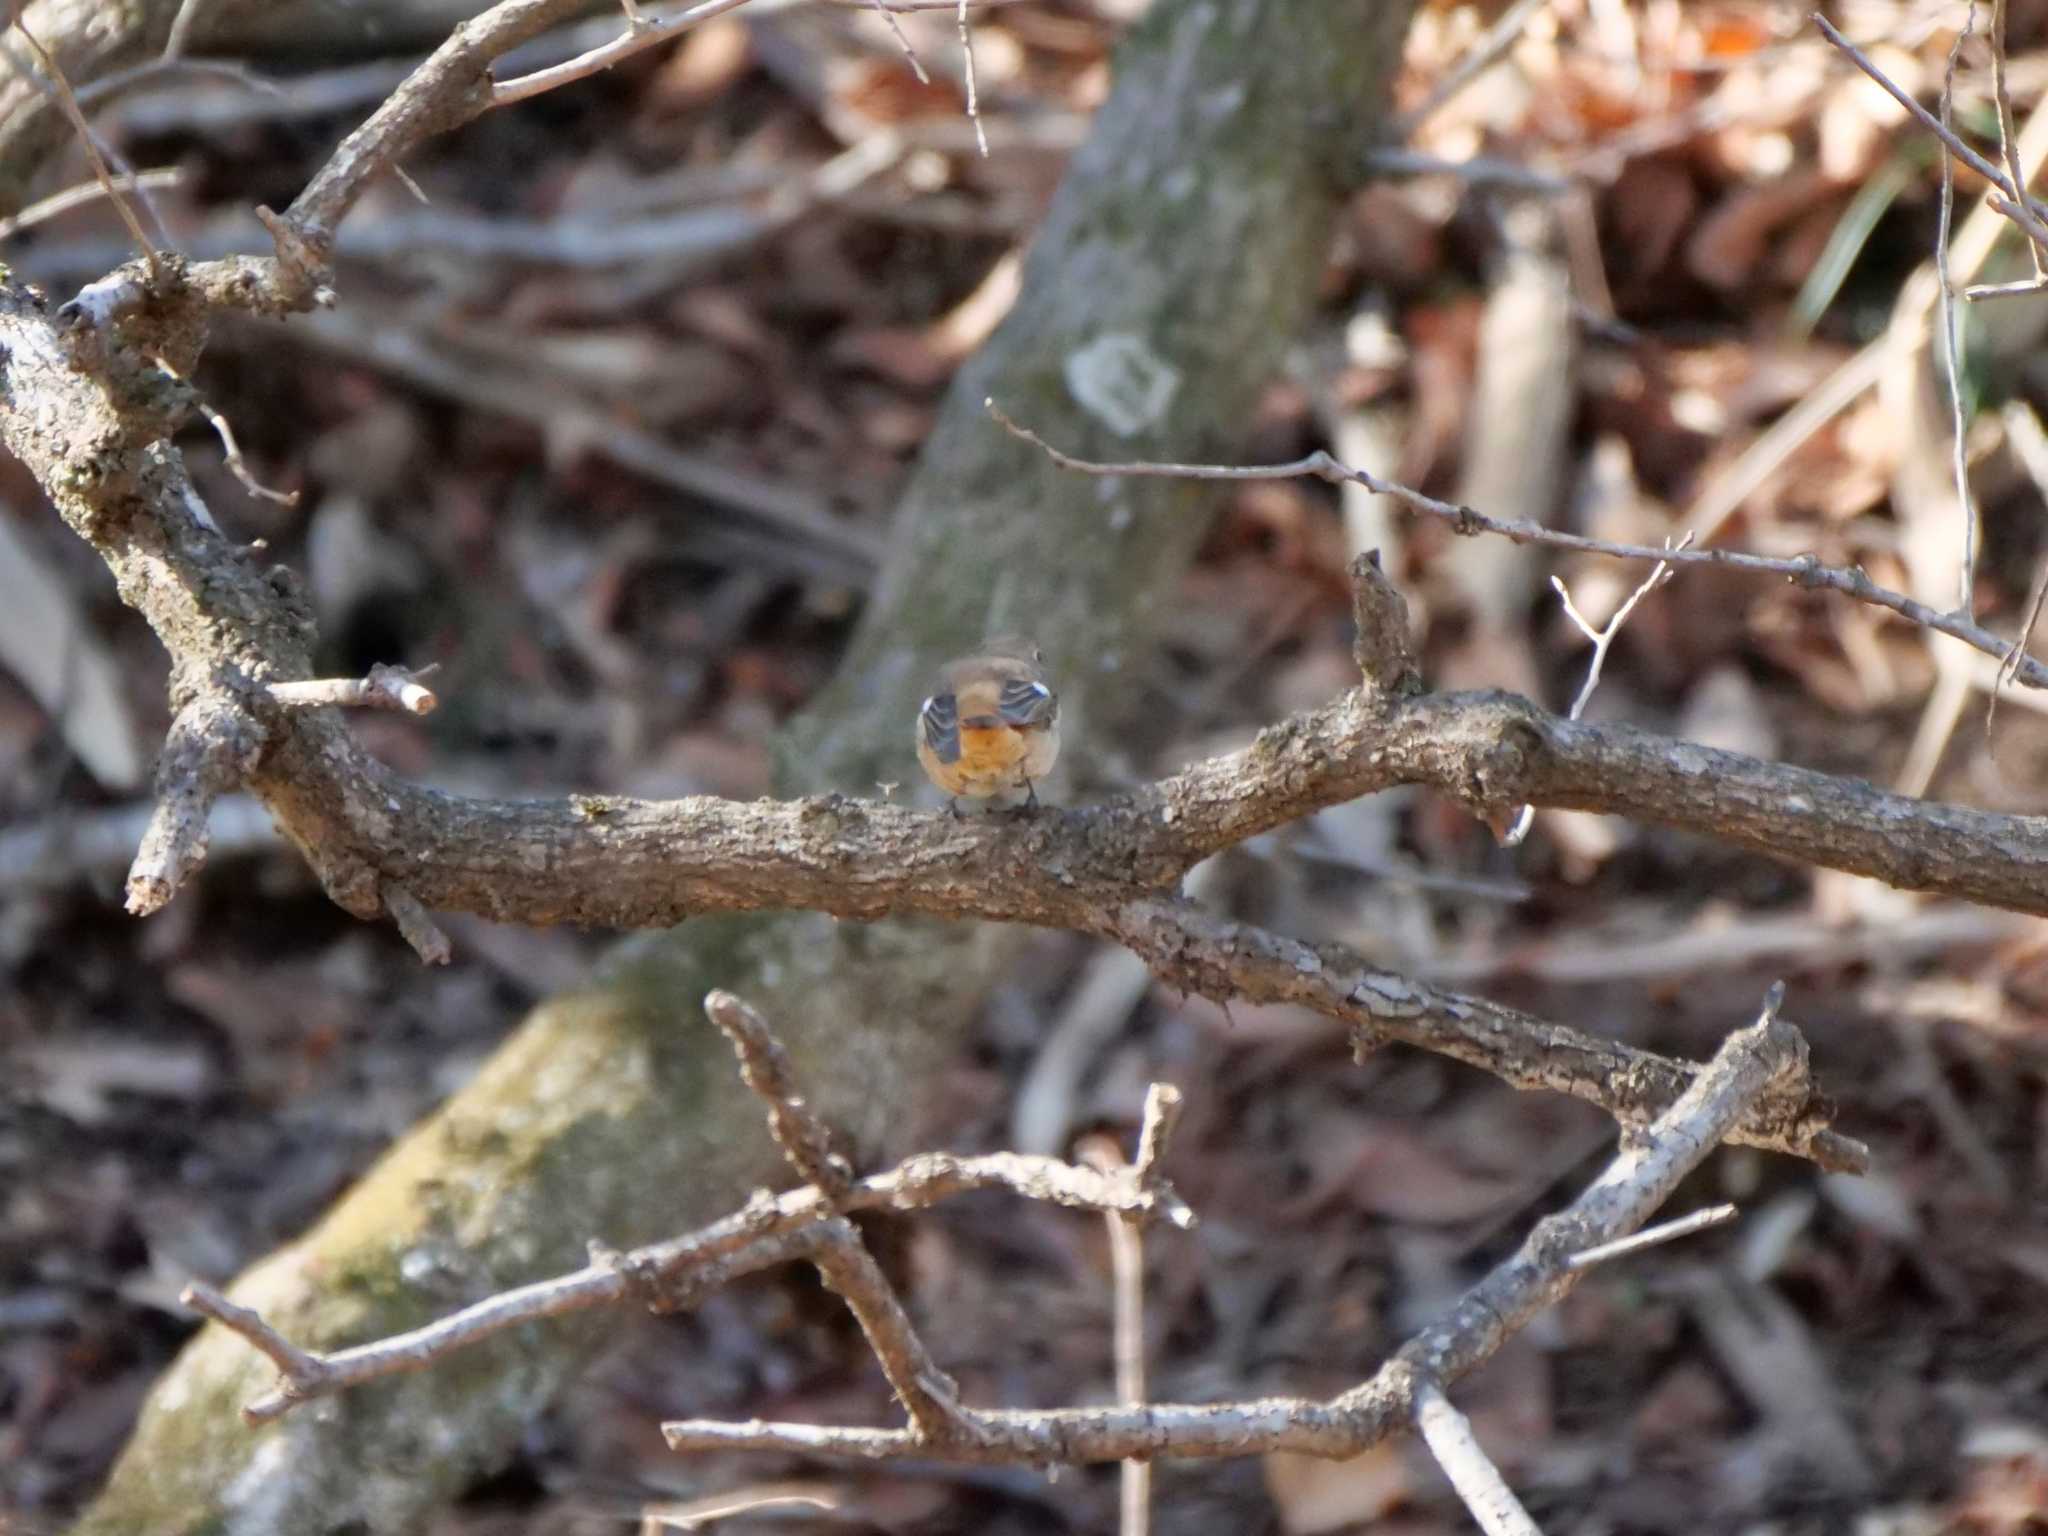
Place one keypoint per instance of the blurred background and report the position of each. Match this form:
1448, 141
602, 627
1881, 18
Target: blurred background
1658, 268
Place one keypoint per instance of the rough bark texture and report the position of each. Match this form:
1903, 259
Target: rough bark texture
1171, 271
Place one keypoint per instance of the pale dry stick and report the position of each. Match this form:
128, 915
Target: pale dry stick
43, 209
1724, 495
1448, 1434
182, 26
419, 193
2008, 136
643, 33
1042, 1107
385, 687
1951, 339
87, 140
1651, 1237
697, 1514
973, 94
415, 925
1602, 639
1536, 1276
1127, 1292
1811, 944
1804, 570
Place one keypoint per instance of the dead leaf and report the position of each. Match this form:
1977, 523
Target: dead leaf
1313, 1494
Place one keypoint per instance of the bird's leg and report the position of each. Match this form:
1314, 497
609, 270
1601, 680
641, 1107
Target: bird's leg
1030, 796
953, 805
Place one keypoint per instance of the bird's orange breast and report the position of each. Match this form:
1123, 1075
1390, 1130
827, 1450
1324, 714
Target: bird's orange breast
990, 749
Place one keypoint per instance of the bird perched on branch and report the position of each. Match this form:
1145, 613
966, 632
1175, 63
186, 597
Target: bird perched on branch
992, 726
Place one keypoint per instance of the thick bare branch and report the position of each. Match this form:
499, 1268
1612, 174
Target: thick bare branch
1099, 869
1220, 958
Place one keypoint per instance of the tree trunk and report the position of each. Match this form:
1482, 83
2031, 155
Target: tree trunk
1172, 270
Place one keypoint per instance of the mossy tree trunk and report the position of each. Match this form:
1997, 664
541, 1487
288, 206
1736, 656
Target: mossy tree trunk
1172, 270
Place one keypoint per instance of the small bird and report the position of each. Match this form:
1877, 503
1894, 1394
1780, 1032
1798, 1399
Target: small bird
992, 725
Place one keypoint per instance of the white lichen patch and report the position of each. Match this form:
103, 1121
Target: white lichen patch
1120, 381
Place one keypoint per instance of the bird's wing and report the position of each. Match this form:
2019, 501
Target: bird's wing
1026, 704
939, 719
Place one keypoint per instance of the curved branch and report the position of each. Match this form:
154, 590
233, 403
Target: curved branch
611, 861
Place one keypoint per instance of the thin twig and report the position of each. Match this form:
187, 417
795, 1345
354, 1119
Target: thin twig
1485, 1493
1805, 570
835, 1246
1651, 1237
86, 140
231, 450
641, 34
902, 41
1951, 341
973, 94
1127, 1292
182, 27
385, 687
85, 192
2008, 135
1495, 42
2025, 211
1602, 638
120, 80
292, 1362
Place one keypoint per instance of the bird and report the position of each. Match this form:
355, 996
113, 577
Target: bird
992, 725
